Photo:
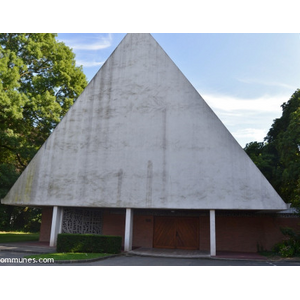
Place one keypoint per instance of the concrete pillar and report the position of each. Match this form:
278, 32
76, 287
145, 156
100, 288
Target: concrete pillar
56, 225
128, 230
212, 221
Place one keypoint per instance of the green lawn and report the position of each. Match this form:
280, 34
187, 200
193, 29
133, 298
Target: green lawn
68, 256
12, 237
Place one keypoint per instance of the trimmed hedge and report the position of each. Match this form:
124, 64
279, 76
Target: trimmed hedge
88, 243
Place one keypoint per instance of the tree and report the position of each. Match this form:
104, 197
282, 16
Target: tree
284, 137
262, 157
39, 81
279, 156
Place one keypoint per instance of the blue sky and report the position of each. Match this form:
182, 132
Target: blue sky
244, 77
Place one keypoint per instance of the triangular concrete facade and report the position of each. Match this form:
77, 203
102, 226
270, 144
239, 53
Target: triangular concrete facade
141, 136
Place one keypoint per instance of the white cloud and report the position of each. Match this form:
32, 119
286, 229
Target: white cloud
231, 104
251, 134
267, 83
92, 43
247, 119
88, 64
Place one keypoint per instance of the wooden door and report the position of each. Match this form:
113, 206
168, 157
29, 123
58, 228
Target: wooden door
187, 236
176, 233
164, 234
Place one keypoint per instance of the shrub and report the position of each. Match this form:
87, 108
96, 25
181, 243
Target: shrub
291, 245
287, 251
88, 243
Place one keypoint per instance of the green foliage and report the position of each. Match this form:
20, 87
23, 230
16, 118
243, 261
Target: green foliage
291, 245
12, 237
262, 157
20, 218
39, 81
278, 157
90, 243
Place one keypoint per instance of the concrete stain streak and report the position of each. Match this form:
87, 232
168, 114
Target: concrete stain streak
119, 187
149, 184
164, 148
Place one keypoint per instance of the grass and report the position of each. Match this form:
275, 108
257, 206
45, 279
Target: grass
14, 236
68, 256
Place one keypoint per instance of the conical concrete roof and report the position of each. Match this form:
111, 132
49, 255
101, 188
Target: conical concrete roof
141, 136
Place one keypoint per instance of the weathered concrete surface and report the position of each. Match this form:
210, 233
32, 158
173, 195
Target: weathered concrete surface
141, 136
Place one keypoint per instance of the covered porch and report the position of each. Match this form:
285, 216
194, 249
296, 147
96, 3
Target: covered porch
208, 231
192, 230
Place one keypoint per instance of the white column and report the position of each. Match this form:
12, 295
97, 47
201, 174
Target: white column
56, 224
128, 230
212, 221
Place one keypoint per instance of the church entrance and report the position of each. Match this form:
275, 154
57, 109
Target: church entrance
174, 232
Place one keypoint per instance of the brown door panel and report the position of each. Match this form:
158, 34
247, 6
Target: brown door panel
187, 233
164, 232
176, 233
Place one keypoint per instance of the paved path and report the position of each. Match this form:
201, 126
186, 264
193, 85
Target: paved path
123, 260
27, 247
17, 251
162, 261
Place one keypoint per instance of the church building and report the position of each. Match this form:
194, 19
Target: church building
141, 155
